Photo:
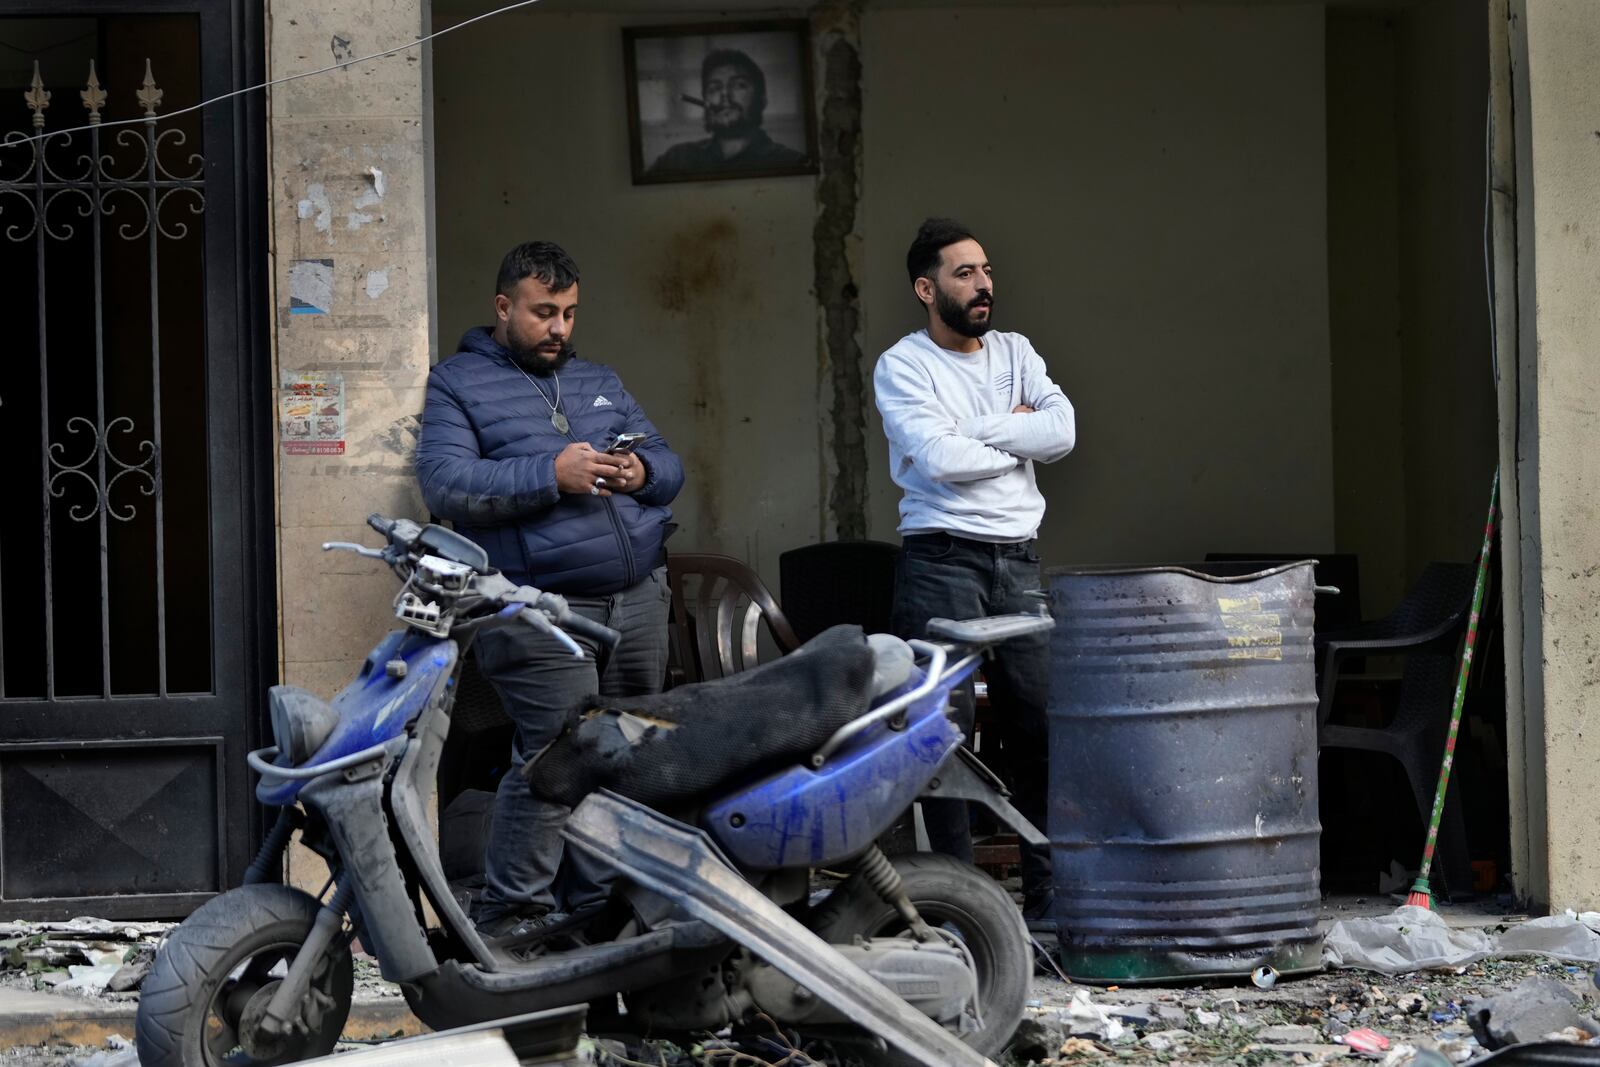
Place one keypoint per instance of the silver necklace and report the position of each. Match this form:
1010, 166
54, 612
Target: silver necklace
557, 419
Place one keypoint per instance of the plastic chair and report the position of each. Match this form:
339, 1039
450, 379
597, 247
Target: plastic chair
718, 605
838, 581
1427, 629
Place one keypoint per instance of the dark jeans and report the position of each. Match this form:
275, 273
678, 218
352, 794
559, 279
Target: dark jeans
538, 681
941, 576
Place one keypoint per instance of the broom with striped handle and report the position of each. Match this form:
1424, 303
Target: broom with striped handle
1420, 895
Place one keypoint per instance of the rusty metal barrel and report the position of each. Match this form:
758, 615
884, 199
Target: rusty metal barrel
1183, 773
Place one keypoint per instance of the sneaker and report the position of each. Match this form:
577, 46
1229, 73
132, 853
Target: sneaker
515, 926
517, 929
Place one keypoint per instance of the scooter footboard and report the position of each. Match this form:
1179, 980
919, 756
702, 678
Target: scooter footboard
459, 995
681, 862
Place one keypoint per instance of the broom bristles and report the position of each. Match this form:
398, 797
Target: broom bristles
1419, 896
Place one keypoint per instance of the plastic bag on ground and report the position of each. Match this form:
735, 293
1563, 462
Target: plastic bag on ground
1416, 939
1565, 937
1407, 939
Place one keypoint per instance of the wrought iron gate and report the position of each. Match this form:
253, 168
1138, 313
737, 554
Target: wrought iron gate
131, 562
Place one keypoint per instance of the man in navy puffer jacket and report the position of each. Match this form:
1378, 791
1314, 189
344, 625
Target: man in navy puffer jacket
513, 453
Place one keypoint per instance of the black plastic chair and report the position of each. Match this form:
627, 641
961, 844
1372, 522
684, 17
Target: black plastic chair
826, 584
1427, 630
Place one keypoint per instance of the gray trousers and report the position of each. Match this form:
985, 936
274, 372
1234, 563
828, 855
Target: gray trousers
538, 681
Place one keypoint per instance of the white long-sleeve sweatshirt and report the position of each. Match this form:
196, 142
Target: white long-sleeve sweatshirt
964, 460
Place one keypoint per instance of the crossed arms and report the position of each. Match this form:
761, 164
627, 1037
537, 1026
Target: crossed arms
948, 449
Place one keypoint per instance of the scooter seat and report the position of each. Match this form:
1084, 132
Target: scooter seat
892, 663
689, 742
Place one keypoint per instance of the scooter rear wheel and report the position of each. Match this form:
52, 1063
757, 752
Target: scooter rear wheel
216, 972
962, 900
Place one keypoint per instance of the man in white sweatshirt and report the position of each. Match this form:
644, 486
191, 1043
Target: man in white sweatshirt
968, 411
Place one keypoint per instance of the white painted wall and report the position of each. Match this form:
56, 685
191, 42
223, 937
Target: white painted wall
1150, 184
697, 293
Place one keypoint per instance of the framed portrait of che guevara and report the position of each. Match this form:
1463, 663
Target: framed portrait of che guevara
711, 101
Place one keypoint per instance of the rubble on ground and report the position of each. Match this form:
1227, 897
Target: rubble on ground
107, 960
1429, 1018
1409, 1020
117, 1051
1531, 1011
84, 956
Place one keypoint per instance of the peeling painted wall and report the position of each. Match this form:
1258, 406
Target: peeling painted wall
347, 166
349, 251
1158, 220
1150, 184
1164, 247
697, 293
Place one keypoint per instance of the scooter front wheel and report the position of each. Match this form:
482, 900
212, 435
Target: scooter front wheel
963, 901
216, 973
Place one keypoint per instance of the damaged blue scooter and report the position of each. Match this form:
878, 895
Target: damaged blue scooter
713, 804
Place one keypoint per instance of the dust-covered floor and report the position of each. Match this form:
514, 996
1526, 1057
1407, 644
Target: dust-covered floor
1306, 1019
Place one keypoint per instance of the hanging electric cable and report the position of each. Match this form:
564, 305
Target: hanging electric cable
13, 142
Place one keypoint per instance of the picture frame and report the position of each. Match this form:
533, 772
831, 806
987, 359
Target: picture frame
715, 101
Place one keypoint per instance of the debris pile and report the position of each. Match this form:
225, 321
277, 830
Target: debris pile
83, 956
1423, 1019
1454, 1010
1540, 1009
115, 1051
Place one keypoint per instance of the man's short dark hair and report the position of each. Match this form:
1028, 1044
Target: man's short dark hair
732, 57
544, 260
922, 259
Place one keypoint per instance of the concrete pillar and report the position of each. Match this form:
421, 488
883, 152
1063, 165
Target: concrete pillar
1556, 85
843, 372
1503, 222
351, 261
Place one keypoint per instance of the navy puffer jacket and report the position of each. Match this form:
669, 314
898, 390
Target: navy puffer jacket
486, 461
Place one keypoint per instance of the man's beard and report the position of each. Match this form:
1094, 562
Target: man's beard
741, 123
954, 314
535, 361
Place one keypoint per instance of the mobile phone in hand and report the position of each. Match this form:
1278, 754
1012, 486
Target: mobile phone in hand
624, 443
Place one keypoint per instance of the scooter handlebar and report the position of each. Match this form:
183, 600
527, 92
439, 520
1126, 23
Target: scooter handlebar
599, 633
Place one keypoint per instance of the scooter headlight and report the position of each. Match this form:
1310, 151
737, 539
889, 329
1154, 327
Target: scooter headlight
301, 722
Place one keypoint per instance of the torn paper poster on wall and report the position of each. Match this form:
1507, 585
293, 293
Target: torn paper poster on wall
310, 286
311, 414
